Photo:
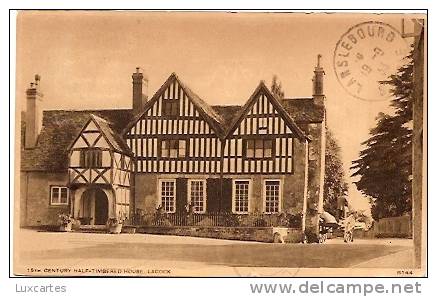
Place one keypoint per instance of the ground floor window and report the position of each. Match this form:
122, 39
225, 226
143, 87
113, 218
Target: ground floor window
58, 195
168, 195
197, 195
240, 195
272, 196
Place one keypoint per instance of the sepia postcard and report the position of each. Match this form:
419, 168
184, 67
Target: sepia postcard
214, 143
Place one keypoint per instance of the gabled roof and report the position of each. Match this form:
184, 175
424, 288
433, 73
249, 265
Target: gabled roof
207, 112
227, 112
60, 128
223, 118
112, 138
277, 105
204, 107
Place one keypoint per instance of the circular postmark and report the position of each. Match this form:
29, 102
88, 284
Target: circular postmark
367, 54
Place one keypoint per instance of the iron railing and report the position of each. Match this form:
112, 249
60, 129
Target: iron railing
218, 220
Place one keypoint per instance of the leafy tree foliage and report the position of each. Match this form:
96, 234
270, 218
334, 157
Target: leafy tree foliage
384, 166
335, 185
276, 88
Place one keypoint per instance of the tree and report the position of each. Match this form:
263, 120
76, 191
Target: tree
276, 88
335, 185
384, 166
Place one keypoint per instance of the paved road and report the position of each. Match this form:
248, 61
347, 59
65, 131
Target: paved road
172, 255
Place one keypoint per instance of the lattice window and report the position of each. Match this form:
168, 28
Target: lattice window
259, 148
197, 193
182, 149
168, 195
91, 158
272, 196
173, 148
59, 195
241, 196
170, 107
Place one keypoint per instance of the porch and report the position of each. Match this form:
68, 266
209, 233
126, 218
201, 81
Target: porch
93, 205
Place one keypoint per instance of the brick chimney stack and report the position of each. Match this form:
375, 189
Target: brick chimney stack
139, 91
318, 92
33, 113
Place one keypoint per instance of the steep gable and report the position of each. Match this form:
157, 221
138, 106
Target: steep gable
90, 137
174, 91
264, 114
97, 133
60, 129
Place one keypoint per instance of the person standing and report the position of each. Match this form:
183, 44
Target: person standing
342, 206
349, 225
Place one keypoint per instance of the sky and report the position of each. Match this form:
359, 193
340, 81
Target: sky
86, 59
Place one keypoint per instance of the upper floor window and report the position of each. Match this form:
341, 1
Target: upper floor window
173, 148
170, 107
259, 148
91, 158
58, 195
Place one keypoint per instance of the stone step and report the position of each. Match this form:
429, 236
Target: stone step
93, 228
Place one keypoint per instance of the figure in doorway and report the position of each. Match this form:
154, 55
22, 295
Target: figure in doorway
189, 207
159, 213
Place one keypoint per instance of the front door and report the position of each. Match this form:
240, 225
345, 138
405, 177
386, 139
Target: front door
101, 208
219, 195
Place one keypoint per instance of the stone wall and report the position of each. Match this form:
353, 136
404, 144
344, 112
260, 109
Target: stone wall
261, 234
146, 195
316, 174
146, 185
35, 208
145, 192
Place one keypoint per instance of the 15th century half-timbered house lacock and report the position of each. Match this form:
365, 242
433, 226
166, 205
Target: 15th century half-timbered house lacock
173, 150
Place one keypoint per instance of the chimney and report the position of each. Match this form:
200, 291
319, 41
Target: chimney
318, 93
139, 91
33, 113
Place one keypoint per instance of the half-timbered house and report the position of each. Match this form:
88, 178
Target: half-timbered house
174, 150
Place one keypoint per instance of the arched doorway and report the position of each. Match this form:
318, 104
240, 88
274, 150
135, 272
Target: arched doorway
94, 207
101, 208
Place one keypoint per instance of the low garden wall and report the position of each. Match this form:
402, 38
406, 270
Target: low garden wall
261, 234
394, 227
